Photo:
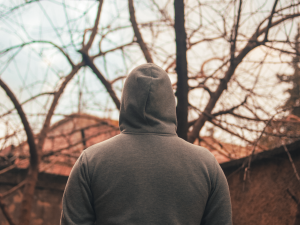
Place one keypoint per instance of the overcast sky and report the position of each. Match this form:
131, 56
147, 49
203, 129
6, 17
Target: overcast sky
38, 68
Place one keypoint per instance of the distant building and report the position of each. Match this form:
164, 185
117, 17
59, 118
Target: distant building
65, 141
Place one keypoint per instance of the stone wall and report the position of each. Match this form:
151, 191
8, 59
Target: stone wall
47, 200
263, 198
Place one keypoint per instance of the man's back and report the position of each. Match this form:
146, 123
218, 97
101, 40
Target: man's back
147, 175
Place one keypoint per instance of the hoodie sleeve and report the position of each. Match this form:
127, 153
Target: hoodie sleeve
218, 207
77, 204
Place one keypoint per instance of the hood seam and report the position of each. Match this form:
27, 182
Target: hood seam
148, 96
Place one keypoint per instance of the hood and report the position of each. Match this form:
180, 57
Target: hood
148, 102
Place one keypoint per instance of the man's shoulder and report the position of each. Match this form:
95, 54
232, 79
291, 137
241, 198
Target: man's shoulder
196, 150
103, 146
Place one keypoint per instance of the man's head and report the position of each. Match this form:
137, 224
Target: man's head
148, 103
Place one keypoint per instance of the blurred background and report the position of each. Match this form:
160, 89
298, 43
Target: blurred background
234, 66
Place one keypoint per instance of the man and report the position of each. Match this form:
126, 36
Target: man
146, 174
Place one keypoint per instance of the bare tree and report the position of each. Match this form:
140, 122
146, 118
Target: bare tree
36, 149
32, 175
248, 35
220, 56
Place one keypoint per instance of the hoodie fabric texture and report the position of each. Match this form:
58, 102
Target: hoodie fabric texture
146, 174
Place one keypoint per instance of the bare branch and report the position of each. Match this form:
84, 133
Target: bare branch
118, 78
247, 168
138, 34
77, 143
291, 161
17, 7
43, 133
83, 128
282, 50
231, 109
293, 196
34, 159
7, 169
41, 41
12, 190
235, 34
230, 131
6, 213
86, 47
28, 130
111, 50
252, 43
106, 84
270, 21
206, 39
204, 87
32, 98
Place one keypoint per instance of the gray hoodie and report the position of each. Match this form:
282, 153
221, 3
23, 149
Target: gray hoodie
146, 174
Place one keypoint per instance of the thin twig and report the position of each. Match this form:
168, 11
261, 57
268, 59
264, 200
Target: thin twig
6, 213
7, 169
292, 196
247, 169
94, 30
291, 161
270, 21
79, 142
12, 190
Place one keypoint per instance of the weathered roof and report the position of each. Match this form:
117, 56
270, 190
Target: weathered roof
65, 141
293, 149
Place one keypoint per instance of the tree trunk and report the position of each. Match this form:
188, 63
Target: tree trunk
32, 175
181, 69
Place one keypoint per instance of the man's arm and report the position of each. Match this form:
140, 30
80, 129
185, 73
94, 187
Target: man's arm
77, 205
218, 207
